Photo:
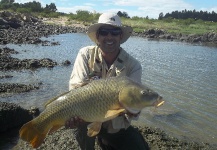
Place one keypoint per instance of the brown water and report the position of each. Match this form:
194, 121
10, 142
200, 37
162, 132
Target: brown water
185, 75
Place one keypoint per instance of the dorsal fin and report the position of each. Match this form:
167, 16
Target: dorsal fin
53, 99
75, 87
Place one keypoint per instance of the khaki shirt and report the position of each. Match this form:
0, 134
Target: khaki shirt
89, 63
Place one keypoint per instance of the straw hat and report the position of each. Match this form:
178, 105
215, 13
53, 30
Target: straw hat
109, 19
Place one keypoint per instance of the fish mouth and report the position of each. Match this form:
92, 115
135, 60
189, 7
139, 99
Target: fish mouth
159, 102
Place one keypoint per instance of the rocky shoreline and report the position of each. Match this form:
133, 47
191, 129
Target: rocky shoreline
21, 29
209, 39
63, 140
24, 29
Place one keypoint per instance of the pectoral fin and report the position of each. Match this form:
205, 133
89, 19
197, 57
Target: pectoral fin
113, 113
94, 128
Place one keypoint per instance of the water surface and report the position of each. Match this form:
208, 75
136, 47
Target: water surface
185, 75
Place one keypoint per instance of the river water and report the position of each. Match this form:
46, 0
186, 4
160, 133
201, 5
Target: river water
184, 74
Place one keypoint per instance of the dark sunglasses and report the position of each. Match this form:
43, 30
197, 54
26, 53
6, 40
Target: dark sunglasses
114, 32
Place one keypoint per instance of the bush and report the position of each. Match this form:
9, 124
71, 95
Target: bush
84, 16
187, 21
168, 20
5, 6
24, 10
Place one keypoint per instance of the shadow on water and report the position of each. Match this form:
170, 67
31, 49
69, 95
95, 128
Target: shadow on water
9, 139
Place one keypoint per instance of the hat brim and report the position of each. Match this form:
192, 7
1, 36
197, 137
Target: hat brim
126, 32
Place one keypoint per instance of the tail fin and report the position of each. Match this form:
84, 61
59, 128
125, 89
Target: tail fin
29, 133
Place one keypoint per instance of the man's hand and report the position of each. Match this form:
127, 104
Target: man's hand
132, 114
73, 122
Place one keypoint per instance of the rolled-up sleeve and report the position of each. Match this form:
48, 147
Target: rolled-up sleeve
136, 73
80, 70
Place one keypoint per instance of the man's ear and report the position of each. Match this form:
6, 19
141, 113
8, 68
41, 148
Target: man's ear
121, 36
97, 37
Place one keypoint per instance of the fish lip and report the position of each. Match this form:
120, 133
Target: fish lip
159, 102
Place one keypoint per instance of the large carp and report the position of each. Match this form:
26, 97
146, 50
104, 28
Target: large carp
97, 102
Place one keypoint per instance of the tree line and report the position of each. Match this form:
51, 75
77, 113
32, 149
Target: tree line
186, 14
27, 7
50, 10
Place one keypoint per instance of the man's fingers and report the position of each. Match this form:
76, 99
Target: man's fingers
73, 122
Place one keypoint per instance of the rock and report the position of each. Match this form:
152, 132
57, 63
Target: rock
63, 139
34, 111
66, 63
17, 88
46, 62
12, 115
7, 62
207, 38
29, 29
6, 76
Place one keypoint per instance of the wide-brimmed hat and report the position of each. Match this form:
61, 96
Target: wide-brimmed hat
109, 19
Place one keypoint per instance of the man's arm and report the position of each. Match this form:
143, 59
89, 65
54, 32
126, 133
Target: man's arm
80, 70
136, 73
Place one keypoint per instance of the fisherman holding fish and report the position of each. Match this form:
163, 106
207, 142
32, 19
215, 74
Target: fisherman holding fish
105, 94
107, 59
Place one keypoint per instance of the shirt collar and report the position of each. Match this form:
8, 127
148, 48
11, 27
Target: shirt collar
118, 63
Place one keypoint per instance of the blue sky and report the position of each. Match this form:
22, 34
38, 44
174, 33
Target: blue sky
141, 8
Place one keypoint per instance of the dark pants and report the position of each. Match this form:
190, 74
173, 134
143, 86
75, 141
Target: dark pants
129, 139
84, 141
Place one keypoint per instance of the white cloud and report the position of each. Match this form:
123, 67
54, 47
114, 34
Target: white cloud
89, 4
214, 9
141, 8
152, 8
74, 9
209, 10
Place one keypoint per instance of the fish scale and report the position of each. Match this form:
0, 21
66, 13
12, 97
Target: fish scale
97, 102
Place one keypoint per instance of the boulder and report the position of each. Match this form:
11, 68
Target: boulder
12, 115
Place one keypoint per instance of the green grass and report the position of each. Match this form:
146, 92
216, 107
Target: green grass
188, 26
175, 26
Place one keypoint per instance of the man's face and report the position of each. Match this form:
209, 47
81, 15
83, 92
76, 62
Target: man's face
109, 38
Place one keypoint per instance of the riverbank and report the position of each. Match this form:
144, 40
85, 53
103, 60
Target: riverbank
38, 26
208, 39
62, 139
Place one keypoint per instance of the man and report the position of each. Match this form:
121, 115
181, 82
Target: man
107, 59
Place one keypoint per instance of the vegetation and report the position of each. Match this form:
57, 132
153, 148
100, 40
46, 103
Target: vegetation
184, 26
186, 22
185, 14
84, 16
30, 7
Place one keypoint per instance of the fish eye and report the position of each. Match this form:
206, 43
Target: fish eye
143, 92
146, 92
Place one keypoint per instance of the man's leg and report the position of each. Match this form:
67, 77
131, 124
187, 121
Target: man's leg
85, 142
129, 139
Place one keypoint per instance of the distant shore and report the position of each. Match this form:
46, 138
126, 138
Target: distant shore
18, 24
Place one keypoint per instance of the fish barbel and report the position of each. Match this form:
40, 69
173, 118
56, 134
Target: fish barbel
96, 102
